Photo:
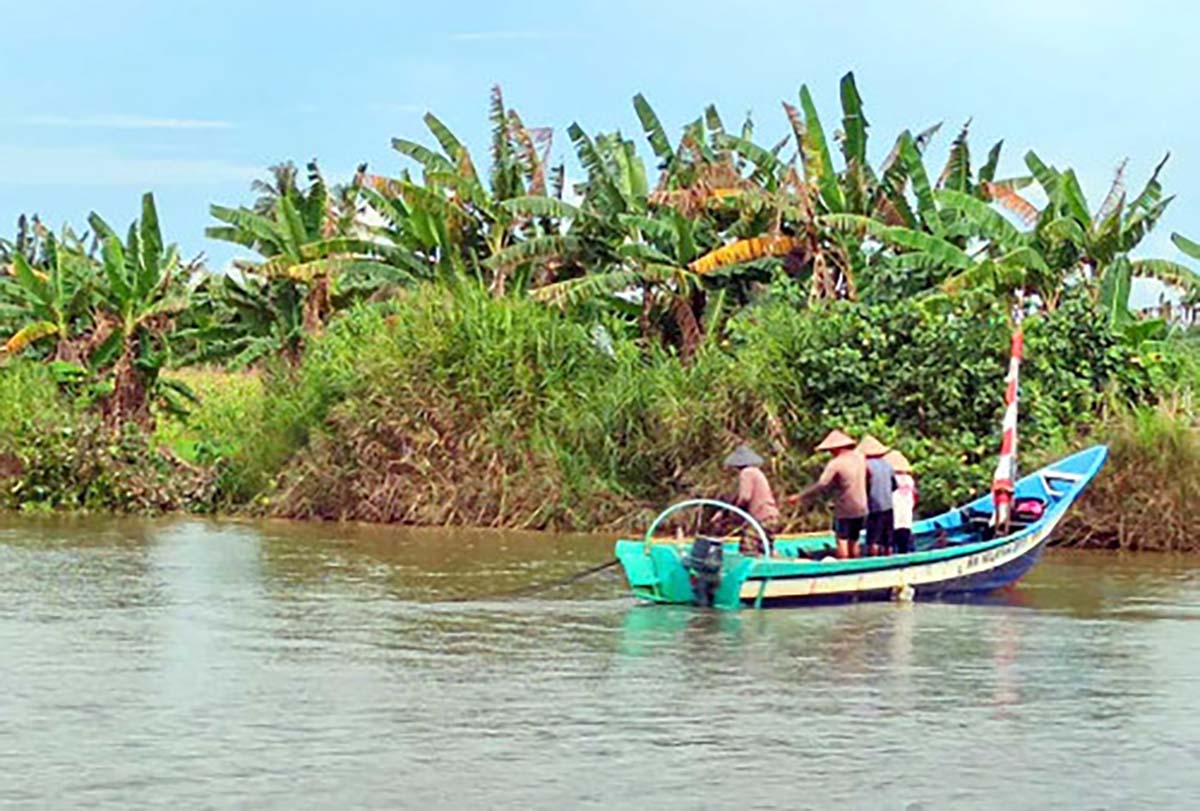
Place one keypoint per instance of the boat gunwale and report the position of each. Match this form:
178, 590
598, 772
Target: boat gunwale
763, 568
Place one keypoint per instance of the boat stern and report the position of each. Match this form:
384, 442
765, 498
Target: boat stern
656, 572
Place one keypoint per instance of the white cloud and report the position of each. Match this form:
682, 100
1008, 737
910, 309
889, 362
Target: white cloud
123, 122
90, 166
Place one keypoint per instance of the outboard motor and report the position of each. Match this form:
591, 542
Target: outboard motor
704, 562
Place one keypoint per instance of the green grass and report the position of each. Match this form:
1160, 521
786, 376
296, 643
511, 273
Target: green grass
27, 393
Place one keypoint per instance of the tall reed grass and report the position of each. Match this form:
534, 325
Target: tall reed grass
1149, 493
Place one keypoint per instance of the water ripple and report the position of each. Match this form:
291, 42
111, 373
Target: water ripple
206, 664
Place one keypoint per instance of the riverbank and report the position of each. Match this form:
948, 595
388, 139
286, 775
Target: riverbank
445, 407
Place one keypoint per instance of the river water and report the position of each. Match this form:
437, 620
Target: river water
199, 664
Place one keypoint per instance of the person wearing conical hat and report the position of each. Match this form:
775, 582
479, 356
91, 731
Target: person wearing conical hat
904, 501
754, 493
845, 475
881, 484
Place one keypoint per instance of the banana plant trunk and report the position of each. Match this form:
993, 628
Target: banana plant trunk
128, 401
67, 350
317, 305
690, 336
644, 319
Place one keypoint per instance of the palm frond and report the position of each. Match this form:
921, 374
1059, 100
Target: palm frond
985, 219
29, 334
1026, 211
430, 160
926, 204
743, 251
1114, 200
574, 291
1170, 273
818, 163
540, 206
534, 250
1186, 245
956, 175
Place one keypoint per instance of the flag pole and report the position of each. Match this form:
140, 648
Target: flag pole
1004, 481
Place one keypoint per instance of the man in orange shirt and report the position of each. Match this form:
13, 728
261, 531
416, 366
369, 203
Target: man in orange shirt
754, 491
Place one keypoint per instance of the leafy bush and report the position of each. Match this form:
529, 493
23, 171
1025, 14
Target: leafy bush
449, 406
27, 390
218, 432
57, 455
446, 405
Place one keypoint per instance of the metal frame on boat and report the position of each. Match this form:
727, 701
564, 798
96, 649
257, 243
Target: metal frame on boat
957, 553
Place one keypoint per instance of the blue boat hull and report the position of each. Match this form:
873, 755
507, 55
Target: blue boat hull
957, 589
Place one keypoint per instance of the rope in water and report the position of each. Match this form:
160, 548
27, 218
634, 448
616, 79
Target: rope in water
538, 587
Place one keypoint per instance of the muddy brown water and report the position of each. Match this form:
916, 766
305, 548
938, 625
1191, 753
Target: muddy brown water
189, 663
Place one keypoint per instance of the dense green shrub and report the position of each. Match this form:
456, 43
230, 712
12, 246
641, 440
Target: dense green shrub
446, 405
57, 455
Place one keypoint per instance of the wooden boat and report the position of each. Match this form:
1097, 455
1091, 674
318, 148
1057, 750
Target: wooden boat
957, 554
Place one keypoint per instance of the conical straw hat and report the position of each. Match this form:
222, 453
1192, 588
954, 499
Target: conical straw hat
870, 446
743, 457
835, 440
898, 461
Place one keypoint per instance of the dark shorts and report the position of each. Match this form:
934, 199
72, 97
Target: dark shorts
848, 528
879, 529
902, 538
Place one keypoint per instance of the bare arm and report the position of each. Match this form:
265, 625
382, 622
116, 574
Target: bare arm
828, 476
745, 490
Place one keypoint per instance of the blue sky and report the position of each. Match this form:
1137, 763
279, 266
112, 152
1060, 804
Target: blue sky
194, 99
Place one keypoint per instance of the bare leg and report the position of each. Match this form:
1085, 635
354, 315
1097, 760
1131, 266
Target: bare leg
843, 549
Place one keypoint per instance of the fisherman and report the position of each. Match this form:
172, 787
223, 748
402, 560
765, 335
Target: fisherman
846, 475
754, 491
904, 501
881, 484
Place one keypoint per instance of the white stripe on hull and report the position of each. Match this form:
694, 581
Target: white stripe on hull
887, 579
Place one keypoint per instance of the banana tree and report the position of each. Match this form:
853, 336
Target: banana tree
309, 252
654, 267
242, 320
619, 249
1064, 245
143, 289
47, 303
455, 219
796, 192
1096, 246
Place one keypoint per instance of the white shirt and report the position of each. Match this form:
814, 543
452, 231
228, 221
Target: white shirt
902, 501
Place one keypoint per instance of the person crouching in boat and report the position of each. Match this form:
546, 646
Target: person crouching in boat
846, 475
904, 501
754, 492
881, 484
